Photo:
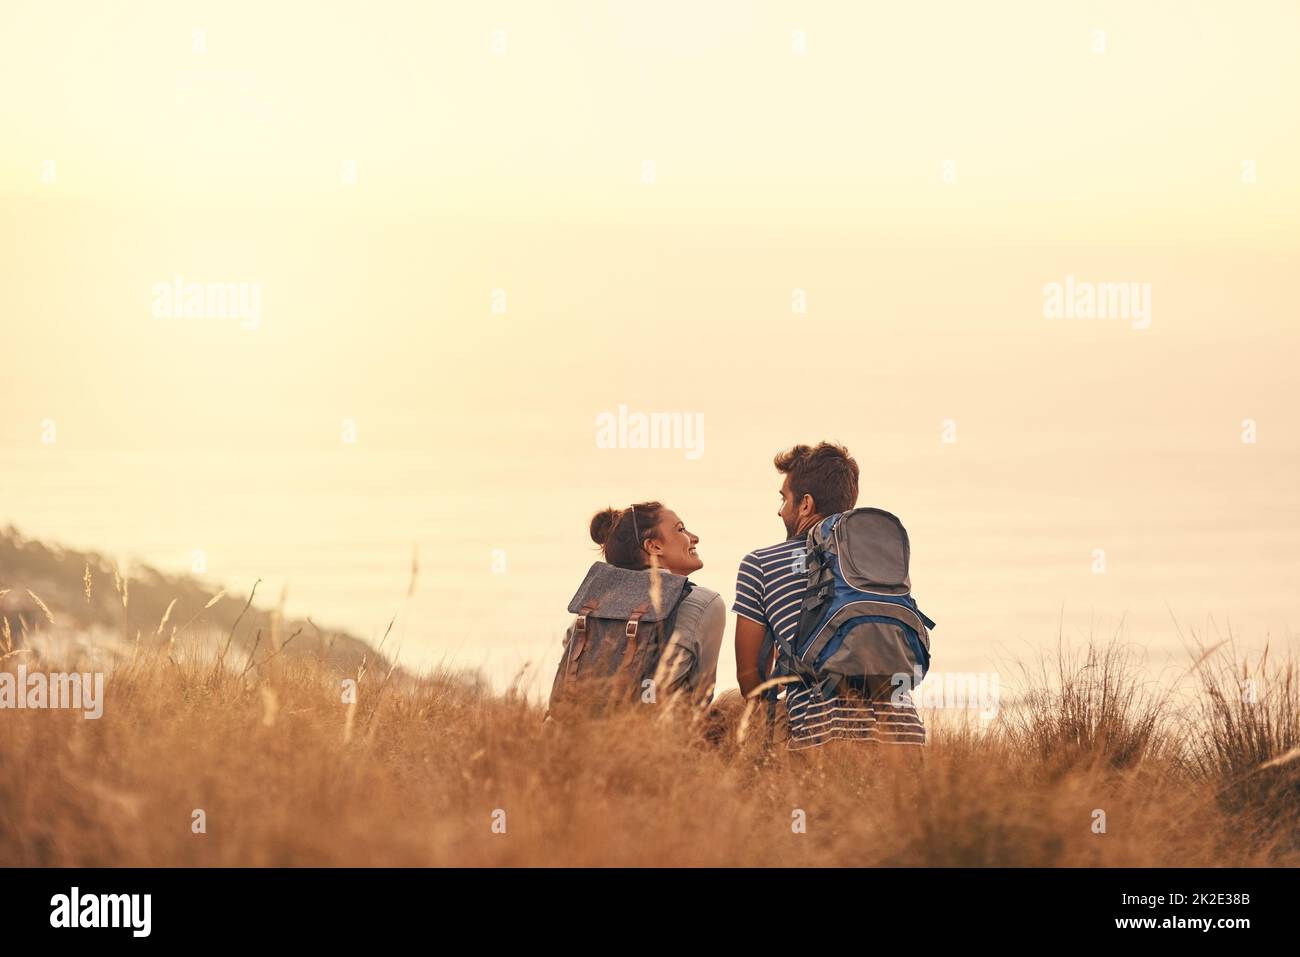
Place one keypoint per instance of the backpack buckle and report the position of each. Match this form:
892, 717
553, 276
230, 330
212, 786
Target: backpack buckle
632, 619
580, 625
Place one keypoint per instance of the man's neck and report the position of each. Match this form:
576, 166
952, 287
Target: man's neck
803, 529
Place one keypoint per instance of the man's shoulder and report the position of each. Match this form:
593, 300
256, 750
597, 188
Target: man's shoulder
780, 550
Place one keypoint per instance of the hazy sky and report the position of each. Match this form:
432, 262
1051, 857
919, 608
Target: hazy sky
471, 231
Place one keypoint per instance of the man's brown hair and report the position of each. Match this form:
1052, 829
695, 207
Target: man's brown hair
826, 472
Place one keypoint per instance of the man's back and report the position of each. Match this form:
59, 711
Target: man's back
770, 586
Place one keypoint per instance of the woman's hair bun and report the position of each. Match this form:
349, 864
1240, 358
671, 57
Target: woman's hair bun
602, 525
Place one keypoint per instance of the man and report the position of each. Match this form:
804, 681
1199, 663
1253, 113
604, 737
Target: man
770, 585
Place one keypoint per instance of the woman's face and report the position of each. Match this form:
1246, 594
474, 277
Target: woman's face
674, 546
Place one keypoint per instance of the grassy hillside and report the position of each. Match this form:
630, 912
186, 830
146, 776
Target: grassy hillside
437, 770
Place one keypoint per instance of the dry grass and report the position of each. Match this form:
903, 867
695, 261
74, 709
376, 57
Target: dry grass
1093, 704
288, 774
1247, 748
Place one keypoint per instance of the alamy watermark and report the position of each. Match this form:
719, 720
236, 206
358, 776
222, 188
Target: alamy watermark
75, 909
1098, 300
179, 299
651, 430
965, 691
74, 691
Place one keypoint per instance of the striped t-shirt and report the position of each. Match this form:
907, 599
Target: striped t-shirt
770, 586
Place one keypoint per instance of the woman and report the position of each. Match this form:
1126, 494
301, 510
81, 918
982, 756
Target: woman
648, 535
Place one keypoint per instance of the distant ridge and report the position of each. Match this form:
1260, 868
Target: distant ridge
56, 576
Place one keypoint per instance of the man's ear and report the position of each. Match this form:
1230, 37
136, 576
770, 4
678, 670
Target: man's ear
806, 505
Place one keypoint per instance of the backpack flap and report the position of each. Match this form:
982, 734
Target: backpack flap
616, 593
874, 551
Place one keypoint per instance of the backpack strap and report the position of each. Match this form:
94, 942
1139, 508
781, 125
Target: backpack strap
579, 641
821, 581
669, 624
630, 630
787, 662
821, 585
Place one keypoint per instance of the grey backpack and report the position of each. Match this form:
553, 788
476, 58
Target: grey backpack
613, 649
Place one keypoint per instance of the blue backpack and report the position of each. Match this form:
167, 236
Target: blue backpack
858, 620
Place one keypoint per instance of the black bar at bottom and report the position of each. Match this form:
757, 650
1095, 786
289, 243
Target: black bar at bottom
742, 907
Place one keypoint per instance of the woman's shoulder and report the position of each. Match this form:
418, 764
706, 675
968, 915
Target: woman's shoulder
701, 596
700, 616
704, 605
